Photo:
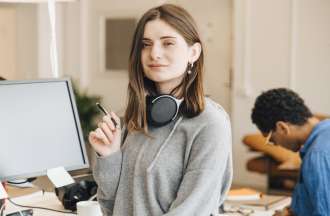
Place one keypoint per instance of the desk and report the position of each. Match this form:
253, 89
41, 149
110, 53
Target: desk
34, 197
49, 200
38, 199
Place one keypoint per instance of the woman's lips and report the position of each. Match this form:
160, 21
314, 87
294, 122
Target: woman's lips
157, 65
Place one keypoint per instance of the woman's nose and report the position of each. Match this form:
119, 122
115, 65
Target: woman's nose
156, 52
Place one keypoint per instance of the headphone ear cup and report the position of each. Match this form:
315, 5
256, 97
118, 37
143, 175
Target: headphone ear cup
161, 110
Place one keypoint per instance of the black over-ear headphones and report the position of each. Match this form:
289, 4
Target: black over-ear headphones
71, 194
162, 109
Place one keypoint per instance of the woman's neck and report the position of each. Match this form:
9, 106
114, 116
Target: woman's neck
168, 87
169, 91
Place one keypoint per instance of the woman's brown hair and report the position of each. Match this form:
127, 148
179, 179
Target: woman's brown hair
191, 87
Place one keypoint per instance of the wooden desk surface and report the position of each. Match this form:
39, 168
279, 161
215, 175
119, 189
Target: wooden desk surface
35, 197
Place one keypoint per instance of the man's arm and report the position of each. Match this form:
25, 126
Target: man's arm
289, 160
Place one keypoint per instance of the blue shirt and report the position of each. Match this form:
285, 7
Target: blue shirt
311, 196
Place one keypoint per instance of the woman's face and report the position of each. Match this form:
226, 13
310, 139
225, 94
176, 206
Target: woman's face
165, 55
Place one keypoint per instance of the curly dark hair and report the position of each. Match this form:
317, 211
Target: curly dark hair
279, 104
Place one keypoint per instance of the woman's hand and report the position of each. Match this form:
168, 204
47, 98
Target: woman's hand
107, 137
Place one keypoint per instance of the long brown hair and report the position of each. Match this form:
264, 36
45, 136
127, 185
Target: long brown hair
191, 87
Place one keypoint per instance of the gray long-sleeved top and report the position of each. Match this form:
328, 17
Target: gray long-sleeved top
185, 169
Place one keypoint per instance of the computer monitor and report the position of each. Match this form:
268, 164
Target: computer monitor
39, 128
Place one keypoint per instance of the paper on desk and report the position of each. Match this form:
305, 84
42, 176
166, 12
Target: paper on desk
59, 177
3, 193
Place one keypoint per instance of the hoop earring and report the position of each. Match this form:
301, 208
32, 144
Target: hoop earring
190, 66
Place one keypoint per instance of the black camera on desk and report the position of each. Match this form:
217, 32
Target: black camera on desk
81, 191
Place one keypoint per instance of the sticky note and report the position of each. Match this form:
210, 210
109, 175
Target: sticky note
59, 177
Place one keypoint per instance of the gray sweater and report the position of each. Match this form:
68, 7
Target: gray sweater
185, 169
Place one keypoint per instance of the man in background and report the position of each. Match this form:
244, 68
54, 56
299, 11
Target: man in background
282, 116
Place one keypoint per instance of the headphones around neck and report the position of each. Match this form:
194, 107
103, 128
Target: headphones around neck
162, 109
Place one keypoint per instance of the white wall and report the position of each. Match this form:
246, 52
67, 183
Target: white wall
30, 39
7, 42
18, 44
28, 55
277, 44
27, 41
312, 55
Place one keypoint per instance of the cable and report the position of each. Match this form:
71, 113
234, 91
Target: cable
19, 211
42, 208
17, 183
93, 197
28, 180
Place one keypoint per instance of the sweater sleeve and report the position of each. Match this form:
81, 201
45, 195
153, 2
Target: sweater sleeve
208, 175
106, 172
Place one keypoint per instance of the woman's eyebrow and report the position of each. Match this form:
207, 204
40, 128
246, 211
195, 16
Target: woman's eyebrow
168, 37
163, 37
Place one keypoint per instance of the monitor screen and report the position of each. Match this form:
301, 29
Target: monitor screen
39, 128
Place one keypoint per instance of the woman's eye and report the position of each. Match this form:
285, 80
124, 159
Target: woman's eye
146, 44
168, 43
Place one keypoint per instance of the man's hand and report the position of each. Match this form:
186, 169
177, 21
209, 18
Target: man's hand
284, 212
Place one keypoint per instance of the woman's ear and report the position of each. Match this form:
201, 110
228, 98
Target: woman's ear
194, 52
282, 127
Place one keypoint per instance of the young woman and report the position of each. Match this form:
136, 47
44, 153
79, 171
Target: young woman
164, 162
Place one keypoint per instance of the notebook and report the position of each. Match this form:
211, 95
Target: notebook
265, 203
243, 194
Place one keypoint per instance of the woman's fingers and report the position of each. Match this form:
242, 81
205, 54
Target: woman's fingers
93, 138
98, 144
116, 118
112, 120
101, 136
106, 130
